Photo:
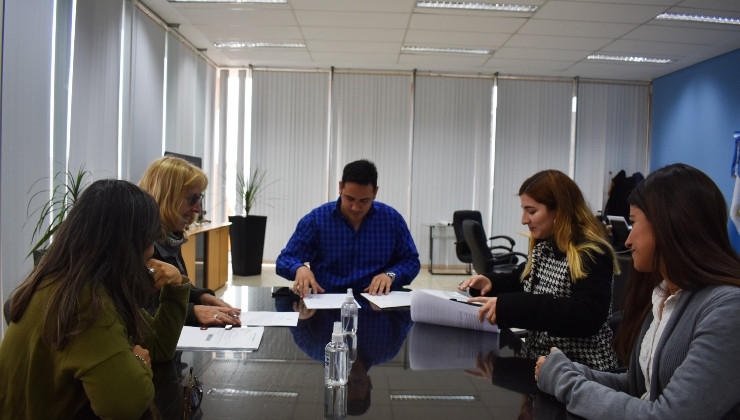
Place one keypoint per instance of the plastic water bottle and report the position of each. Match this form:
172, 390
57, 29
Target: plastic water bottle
335, 358
335, 402
349, 314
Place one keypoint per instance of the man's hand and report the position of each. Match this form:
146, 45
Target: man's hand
381, 284
165, 274
488, 310
479, 282
305, 282
217, 315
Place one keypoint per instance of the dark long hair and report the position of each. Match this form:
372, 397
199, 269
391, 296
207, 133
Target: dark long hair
688, 217
100, 245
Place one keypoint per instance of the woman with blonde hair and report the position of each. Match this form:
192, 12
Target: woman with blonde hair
563, 293
681, 329
177, 186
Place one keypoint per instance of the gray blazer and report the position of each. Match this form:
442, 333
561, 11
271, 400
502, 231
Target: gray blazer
696, 367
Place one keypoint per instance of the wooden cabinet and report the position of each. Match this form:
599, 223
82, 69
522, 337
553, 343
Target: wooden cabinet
215, 238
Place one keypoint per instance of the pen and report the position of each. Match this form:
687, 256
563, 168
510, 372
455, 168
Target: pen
467, 303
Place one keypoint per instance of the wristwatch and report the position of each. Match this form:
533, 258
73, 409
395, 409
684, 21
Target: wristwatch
392, 275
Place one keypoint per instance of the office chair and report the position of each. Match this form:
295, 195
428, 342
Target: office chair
462, 250
484, 261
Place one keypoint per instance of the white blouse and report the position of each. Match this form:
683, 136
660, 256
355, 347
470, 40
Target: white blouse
652, 336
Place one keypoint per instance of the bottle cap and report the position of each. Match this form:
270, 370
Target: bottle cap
350, 297
337, 335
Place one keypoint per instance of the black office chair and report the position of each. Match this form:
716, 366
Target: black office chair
462, 250
485, 261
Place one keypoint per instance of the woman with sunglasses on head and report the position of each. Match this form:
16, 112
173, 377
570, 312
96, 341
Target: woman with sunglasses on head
562, 296
177, 186
78, 345
681, 325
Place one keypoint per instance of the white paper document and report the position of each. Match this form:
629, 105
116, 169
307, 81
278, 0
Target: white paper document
269, 319
440, 347
244, 338
446, 308
393, 299
326, 300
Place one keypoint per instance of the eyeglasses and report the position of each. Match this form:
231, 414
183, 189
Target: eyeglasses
193, 393
192, 199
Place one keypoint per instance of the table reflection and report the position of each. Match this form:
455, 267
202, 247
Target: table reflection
401, 370
380, 335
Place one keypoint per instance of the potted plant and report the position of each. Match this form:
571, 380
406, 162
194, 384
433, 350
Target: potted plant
247, 231
54, 209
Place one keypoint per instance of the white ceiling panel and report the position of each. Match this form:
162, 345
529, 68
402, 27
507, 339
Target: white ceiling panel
352, 20
352, 34
557, 42
455, 39
470, 23
598, 12
367, 35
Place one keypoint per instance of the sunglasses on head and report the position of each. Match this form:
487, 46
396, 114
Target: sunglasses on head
192, 199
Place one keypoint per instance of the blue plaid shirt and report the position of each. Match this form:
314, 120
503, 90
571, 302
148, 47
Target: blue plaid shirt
341, 257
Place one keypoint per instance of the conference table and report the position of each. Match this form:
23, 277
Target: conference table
401, 369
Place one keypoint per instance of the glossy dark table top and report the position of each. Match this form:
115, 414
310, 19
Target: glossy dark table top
403, 370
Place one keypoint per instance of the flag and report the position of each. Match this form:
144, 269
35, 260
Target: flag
735, 206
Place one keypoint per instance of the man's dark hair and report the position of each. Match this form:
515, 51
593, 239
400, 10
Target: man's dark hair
362, 172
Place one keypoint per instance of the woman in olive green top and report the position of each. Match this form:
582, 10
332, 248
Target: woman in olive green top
78, 344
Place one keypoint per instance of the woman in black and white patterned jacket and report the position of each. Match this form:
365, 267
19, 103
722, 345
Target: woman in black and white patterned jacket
563, 294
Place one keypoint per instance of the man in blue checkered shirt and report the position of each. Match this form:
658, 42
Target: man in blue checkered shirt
353, 242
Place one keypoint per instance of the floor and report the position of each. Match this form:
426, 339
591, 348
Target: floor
268, 278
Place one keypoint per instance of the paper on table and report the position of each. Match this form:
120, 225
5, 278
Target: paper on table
391, 300
326, 300
446, 308
269, 319
441, 347
244, 338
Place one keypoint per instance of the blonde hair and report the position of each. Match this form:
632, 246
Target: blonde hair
576, 231
167, 179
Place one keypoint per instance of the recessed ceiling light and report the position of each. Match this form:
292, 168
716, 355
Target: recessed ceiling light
415, 49
698, 18
630, 59
229, 1
477, 6
240, 44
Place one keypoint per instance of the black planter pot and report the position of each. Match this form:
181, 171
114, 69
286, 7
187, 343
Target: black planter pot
247, 235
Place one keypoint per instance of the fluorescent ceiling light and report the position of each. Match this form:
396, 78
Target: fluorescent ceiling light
415, 49
631, 59
240, 44
698, 18
229, 1
477, 6
417, 397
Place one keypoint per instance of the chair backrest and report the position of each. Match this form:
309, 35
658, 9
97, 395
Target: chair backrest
461, 247
475, 237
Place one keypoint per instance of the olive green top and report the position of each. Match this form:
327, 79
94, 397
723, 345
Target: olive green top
96, 369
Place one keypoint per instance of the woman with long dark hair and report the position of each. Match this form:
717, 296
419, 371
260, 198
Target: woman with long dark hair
78, 343
681, 326
563, 294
